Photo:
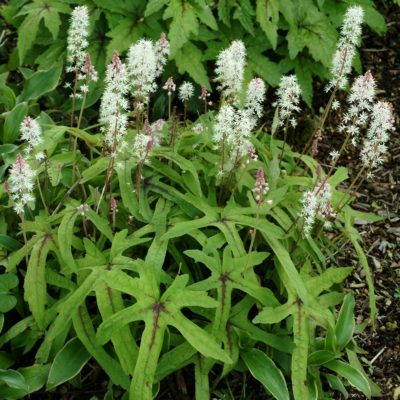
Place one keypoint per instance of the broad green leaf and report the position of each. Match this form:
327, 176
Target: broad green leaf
13, 379
67, 363
321, 357
9, 243
17, 329
35, 292
40, 83
345, 324
354, 377
27, 32
98, 167
266, 372
153, 6
13, 122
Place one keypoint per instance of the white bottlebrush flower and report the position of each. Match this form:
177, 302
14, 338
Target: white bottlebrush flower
186, 91
375, 144
360, 100
316, 203
238, 140
224, 123
346, 47
161, 49
288, 100
31, 133
169, 86
255, 97
230, 67
21, 184
114, 105
142, 69
145, 142
77, 41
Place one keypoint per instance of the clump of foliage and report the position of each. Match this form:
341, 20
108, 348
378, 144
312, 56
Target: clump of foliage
156, 247
280, 36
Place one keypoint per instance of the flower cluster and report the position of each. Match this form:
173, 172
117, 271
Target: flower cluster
261, 187
77, 38
230, 69
170, 86
114, 105
360, 100
146, 141
146, 61
375, 147
186, 91
317, 203
21, 184
32, 134
346, 47
255, 97
288, 99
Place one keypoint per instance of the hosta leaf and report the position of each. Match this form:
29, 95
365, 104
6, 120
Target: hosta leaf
354, 377
35, 292
266, 372
67, 363
13, 379
40, 83
345, 324
13, 121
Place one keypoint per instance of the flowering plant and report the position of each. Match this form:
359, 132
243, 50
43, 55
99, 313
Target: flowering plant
162, 248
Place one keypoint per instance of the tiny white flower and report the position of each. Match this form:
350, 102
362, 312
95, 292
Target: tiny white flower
186, 91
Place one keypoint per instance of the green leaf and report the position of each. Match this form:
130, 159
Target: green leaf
354, 376
273, 315
300, 353
197, 337
266, 372
317, 284
189, 59
13, 379
321, 357
345, 324
65, 235
184, 24
267, 15
7, 300
27, 32
39, 83
153, 6
9, 243
35, 293
52, 21
13, 121
85, 331
67, 363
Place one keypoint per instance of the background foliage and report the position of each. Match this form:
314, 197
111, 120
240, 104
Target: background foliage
280, 35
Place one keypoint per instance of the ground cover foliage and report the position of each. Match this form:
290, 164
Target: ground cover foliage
280, 36
156, 247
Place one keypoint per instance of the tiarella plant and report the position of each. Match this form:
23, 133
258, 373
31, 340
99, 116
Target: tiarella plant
159, 247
